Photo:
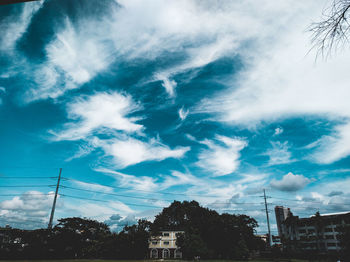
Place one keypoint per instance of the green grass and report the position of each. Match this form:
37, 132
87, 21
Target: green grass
101, 260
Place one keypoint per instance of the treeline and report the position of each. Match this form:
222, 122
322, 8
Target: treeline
206, 234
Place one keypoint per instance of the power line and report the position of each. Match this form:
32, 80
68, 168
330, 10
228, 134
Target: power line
16, 220
146, 198
27, 177
27, 186
112, 194
98, 200
26, 195
307, 201
140, 190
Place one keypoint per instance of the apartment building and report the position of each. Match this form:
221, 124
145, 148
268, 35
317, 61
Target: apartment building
164, 245
281, 215
315, 233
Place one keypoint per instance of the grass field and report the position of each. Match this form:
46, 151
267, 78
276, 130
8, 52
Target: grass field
100, 260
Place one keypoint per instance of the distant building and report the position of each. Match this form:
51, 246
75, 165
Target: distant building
281, 215
164, 245
315, 233
276, 240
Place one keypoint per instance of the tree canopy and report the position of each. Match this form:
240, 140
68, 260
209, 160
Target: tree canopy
206, 233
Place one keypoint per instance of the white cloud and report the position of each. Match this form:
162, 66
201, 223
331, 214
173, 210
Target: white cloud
130, 151
103, 210
14, 27
206, 190
169, 85
290, 182
222, 155
99, 111
201, 31
76, 55
332, 147
279, 153
108, 113
183, 113
179, 178
91, 186
278, 131
134, 182
272, 89
117, 222
29, 210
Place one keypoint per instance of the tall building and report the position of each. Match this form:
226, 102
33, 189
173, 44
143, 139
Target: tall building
316, 233
282, 214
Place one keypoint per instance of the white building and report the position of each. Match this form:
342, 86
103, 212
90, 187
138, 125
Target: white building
164, 245
313, 233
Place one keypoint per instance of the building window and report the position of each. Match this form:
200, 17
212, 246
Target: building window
165, 234
329, 237
166, 242
328, 230
178, 253
154, 253
330, 244
166, 253
154, 242
301, 231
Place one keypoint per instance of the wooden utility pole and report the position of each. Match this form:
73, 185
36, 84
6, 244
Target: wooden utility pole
54, 200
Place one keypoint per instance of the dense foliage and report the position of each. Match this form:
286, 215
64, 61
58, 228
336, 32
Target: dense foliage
205, 233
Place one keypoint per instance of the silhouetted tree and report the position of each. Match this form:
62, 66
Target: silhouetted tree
79, 238
206, 233
132, 241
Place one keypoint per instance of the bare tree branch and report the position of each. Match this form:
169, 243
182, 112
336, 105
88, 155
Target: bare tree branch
333, 31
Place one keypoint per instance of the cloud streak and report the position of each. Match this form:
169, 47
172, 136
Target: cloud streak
222, 155
97, 112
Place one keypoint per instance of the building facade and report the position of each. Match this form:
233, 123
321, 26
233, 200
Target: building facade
281, 215
164, 245
316, 233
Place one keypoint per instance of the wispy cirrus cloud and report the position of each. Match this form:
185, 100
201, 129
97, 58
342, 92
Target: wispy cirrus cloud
183, 113
128, 151
134, 182
13, 26
279, 153
75, 55
333, 147
134, 29
109, 113
109, 110
222, 155
91, 186
270, 90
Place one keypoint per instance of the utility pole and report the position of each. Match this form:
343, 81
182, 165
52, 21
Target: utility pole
54, 200
268, 221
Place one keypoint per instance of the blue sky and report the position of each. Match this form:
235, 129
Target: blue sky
151, 102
